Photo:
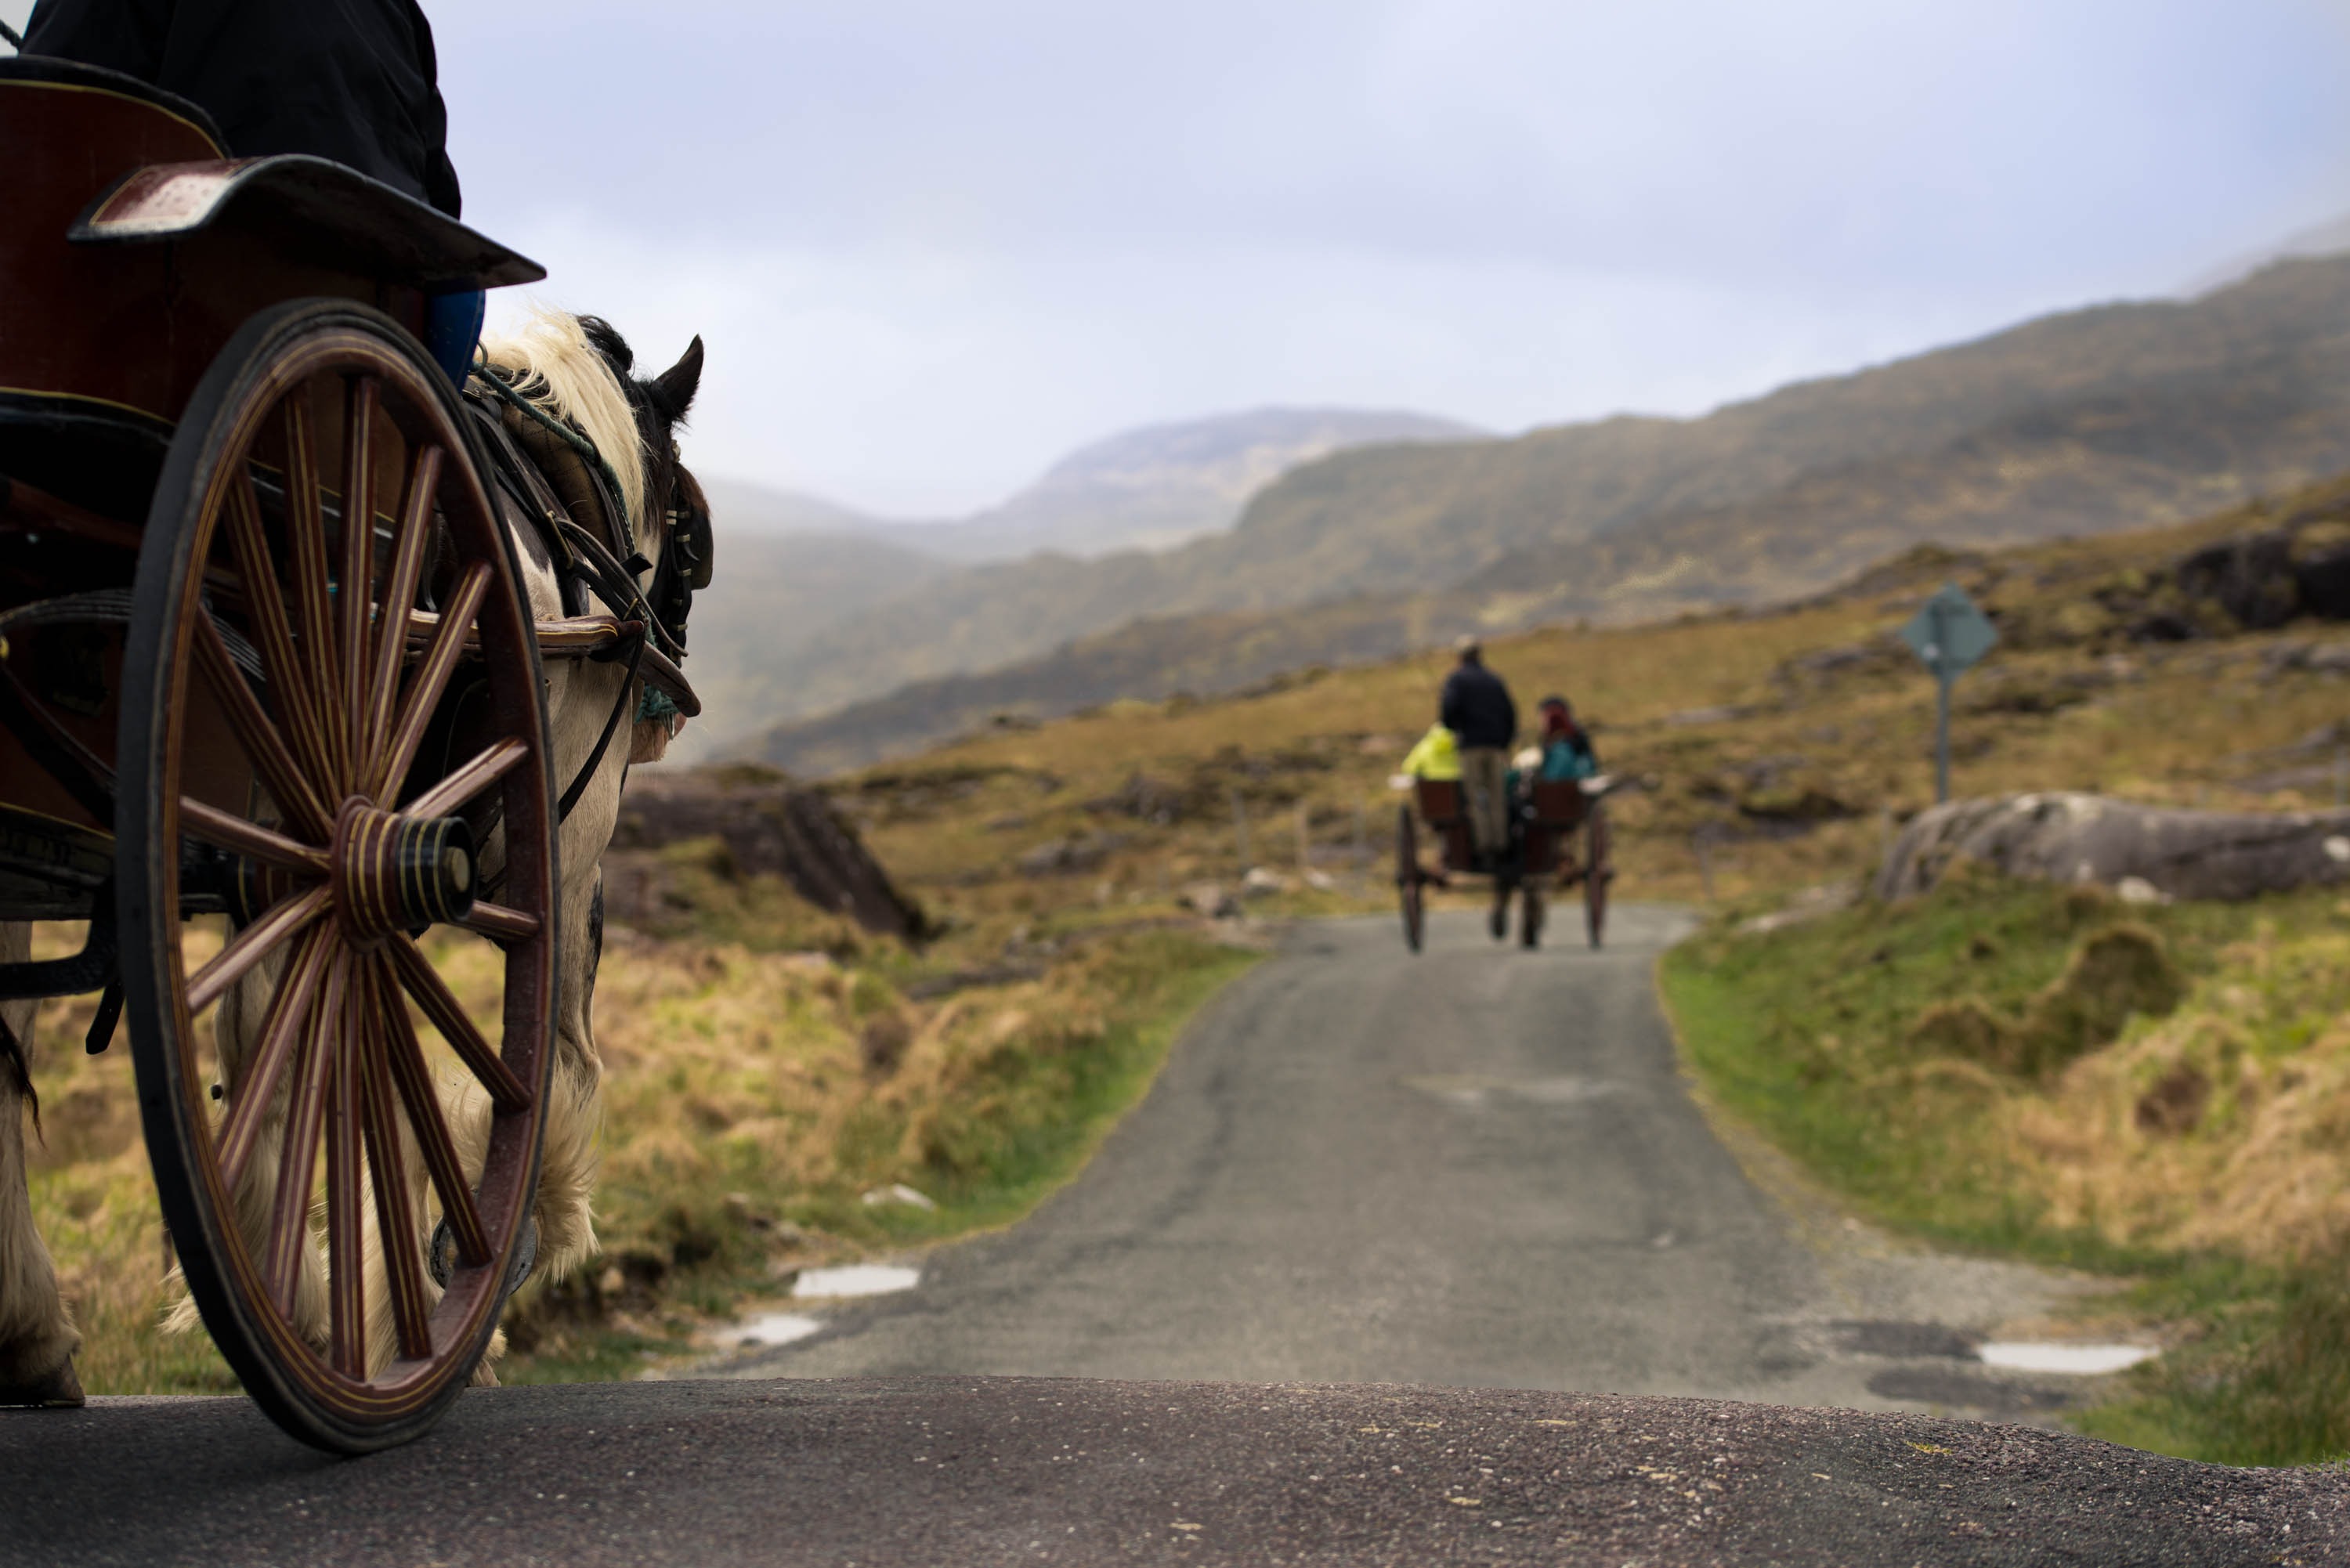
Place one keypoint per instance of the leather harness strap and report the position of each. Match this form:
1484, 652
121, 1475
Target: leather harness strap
544, 476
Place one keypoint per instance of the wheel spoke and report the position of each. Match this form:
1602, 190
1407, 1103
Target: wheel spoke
299, 705
403, 1245
357, 585
346, 1243
423, 982
250, 839
289, 1210
253, 944
305, 539
263, 744
469, 780
410, 1075
399, 594
432, 680
250, 1094
497, 920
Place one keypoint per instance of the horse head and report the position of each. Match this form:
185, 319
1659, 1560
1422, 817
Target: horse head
670, 520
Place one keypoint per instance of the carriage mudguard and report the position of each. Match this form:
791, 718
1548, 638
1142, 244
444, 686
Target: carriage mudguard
308, 208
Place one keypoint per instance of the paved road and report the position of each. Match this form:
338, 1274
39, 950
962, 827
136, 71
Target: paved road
1476, 1168
1367, 1171
969, 1473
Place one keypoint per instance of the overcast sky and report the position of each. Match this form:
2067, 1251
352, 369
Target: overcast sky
934, 243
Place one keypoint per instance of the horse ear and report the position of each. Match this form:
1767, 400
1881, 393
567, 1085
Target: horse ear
672, 391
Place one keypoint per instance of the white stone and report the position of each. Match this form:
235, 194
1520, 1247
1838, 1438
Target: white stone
899, 1192
2085, 1360
856, 1280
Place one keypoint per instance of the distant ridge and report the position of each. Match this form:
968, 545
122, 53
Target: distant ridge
795, 568
2115, 416
2323, 240
1162, 484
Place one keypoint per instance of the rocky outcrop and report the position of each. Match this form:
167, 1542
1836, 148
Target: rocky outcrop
2070, 837
770, 826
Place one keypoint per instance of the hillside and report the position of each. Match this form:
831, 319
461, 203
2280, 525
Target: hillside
2078, 423
794, 568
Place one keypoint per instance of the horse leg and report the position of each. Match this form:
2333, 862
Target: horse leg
37, 1338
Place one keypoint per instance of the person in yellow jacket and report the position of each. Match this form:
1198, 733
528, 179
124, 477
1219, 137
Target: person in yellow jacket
1436, 755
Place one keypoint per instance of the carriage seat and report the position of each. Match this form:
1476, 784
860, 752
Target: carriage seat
132, 247
1446, 806
305, 208
170, 176
1559, 803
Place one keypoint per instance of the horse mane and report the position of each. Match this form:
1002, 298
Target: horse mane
550, 360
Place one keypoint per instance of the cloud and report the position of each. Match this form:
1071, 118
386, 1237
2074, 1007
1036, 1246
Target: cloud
933, 244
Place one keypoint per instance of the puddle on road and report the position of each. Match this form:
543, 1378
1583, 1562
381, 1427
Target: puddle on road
2082, 1360
856, 1280
1474, 1091
772, 1328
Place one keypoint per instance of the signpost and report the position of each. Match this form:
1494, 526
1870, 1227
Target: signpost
1949, 634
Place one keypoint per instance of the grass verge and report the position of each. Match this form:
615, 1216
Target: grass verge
2161, 1093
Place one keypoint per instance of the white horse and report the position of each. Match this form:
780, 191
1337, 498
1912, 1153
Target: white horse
579, 371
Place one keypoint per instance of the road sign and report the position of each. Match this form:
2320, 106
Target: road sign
1949, 634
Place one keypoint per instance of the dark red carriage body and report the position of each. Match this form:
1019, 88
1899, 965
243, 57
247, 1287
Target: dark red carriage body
133, 248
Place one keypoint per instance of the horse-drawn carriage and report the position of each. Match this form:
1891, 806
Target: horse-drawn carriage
273, 720
1548, 818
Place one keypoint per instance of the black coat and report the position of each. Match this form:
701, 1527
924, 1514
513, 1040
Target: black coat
1476, 708
353, 80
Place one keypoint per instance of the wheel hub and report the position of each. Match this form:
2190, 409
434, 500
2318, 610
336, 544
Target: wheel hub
396, 873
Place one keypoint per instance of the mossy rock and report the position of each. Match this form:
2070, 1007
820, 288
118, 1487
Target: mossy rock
1968, 1028
2114, 974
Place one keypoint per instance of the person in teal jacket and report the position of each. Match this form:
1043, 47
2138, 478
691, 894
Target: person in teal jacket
1567, 751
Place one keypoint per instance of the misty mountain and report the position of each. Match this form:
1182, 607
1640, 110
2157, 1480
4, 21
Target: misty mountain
2115, 416
1160, 486
794, 567
2323, 240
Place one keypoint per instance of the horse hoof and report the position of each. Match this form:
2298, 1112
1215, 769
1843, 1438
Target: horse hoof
441, 1257
60, 1390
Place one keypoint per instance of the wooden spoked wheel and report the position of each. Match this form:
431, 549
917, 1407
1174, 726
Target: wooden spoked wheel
1597, 872
1407, 877
361, 1049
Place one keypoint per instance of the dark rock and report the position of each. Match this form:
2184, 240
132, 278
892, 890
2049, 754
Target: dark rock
769, 826
2175, 1104
1068, 856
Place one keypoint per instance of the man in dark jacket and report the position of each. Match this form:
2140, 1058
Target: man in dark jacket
1476, 708
353, 80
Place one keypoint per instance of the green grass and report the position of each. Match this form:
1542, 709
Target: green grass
1812, 1035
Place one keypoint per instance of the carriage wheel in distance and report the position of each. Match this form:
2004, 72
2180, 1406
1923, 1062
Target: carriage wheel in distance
1408, 877
369, 792
1597, 872
1530, 917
